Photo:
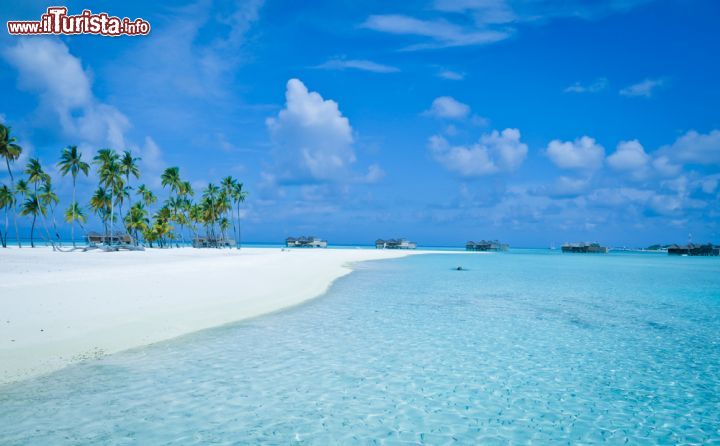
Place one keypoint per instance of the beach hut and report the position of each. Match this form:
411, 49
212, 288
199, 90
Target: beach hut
692, 249
486, 245
584, 248
204, 241
392, 243
116, 238
305, 242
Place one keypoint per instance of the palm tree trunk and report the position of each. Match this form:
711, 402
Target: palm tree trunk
32, 232
112, 213
12, 186
7, 224
122, 220
234, 228
5, 240
72, 223
239, 241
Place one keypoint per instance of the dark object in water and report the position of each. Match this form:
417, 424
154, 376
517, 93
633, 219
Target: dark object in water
460, 268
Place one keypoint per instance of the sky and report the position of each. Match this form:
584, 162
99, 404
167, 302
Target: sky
535, 122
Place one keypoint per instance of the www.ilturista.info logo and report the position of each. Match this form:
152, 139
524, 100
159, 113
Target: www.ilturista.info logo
56, 21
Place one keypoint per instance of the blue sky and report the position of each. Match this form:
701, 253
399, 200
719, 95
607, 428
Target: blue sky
437, 120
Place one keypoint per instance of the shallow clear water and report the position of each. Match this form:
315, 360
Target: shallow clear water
530, 347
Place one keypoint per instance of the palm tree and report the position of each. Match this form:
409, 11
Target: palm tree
136, 220
224, 225
178, 206
228, 184
75, 213
146, 195
11, 152
32, 206
7, 200
110, 178
238, 195
223, 207
195, 217
122, 193
171, 178
35, 173
129, 166
22, 188
49, 198
100, 202
160, 228
210, 196
71, 161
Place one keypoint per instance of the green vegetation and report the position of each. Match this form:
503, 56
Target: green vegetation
120, 207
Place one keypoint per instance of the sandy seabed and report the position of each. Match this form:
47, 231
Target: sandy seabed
59, 308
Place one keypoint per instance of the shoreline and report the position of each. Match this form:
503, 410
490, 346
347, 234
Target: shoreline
62, 308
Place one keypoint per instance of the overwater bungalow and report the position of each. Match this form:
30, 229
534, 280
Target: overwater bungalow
393, 243
584, 248
692, 249
204, 241
486, 245
116, 238
305, 242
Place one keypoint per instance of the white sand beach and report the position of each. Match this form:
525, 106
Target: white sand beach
59, 308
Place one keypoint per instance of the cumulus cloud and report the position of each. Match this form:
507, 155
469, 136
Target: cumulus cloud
628, 156
665, 167
356, 64
46, 67
644, 88
313, 140
583, 153
694, 148
577, 87
494, 152
446, 107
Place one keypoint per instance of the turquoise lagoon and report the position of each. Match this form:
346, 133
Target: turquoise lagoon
524, 347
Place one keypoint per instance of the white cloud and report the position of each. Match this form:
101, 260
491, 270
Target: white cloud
484, 11
628, 156
448, 108
569, 187
442, 32
644, 88
504, 12
451, 75
665, 167
583, 153
599, 85
374, 174
477, 22
694, 148
620, 196
494, 152
313, 140
364, 65
46, 67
